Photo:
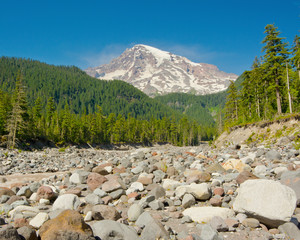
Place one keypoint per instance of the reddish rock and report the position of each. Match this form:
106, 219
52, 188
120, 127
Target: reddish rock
218, 191
216, 202
119, 169
191, 154
171, 171
176, 215
107, 199
230, 192
13, 199
154, 154
45, 192
112, 184
101, 169
67, 225
107, 212
196, 176
76, 191
274, 231
134, 195
95, 180
244, 176
21, 222
231, 223
6, 191
17, 185
145, 180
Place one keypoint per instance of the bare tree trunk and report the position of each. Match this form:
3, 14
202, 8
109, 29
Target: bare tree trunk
288, 87
279, 111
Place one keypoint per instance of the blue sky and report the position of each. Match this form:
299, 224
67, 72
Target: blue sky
89, 33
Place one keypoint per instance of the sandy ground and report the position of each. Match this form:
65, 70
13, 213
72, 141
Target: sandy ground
7, 180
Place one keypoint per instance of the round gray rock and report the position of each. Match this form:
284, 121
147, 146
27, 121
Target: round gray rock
108, 230
271, 202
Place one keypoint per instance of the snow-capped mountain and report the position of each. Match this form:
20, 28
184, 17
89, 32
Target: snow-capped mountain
154, 71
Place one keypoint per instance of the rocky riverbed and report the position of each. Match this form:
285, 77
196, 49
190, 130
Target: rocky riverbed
162, 192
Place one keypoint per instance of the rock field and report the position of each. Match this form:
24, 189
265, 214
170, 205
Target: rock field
162, 192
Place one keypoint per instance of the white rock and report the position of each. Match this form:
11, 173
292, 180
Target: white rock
170, 184
134, 212
138, 186
33, 197
200, 191
181, 191
23, 209
205, 214
38, 220
108, 169
260, 170
268, 201
88, 216
66, 201
280, 170
44, 201
75, 178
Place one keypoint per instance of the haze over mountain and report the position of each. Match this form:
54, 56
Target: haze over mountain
154, 71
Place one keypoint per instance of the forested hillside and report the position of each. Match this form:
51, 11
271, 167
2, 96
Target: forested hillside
64, 105
81, 92
197, 107
272, 87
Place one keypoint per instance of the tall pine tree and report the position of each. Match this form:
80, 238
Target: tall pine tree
274, 61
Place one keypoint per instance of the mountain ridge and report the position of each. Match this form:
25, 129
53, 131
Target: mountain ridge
155, 71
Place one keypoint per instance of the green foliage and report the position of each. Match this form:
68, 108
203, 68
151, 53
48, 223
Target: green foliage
263, 92
60, 85
67, 106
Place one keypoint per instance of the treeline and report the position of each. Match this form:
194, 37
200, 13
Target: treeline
70, 85
198, 107
272, 87
20, 122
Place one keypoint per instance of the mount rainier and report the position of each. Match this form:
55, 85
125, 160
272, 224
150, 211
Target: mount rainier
154, 71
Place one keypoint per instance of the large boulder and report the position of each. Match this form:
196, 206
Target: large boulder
67, 225
205, 214
111, 230
268, 201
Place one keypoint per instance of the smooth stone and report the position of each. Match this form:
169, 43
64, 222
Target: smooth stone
108, 230
38, 220
218, 224
290, 230
66, 201
188, 200
205, 214
134, 212
27, 233
273, 155
266, 200
251, 222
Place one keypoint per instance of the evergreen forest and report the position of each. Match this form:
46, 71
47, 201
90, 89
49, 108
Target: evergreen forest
66, 106
63, 105
271, 89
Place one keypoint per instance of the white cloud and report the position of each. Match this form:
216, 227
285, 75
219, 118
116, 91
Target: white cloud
104, 56
195, 53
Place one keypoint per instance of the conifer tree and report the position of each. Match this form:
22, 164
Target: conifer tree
296, 55
18, 118
274, 59
231, 105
